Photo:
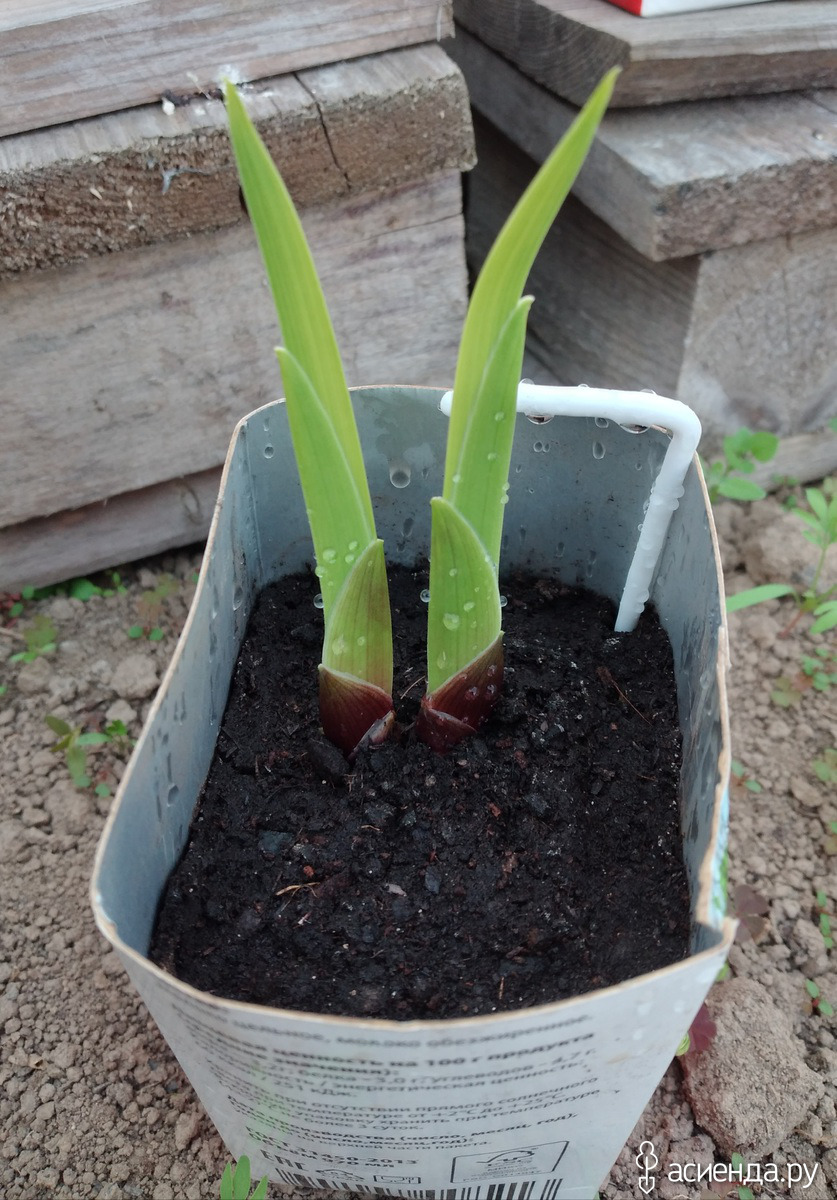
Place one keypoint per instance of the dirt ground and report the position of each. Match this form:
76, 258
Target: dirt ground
92, 1103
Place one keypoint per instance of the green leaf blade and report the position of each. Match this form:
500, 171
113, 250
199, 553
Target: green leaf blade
740, 489
758, 595
362, 605
464, 613
478, 484
297, 294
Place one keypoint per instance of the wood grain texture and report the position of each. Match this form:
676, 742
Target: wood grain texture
685, 178
567, 45
63, 61
744, 335
133, 178
84, 540
131, 370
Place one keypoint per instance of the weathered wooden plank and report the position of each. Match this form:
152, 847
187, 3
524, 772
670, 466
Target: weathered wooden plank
679, 180
567, 45
129, 179
63, 61
122, 529
743, 335
130, 370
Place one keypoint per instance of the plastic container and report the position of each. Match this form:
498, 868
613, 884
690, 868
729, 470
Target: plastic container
544, 1098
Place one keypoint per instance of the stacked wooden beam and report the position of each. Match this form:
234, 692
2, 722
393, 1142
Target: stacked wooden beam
699, 254
135, 324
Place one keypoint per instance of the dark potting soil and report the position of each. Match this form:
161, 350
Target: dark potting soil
538, 860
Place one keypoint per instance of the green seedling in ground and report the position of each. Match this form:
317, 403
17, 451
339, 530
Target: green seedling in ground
825, 767
725, 476
817, 1002
41, 637
74, 743
235, 1185
150, 608
824, 920
464, 644
743, 778
738, 1164
830, 843
821, 668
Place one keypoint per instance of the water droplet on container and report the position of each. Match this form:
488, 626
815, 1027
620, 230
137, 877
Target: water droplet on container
490, 691
399, 474
639, 466
504, 499
407, 527
518, 469
318, 600
266, 424
269, 451
602, 422
598, 450
238, 597
173, 795
559, 550
425, 596
450, 621
503, 601
537, 447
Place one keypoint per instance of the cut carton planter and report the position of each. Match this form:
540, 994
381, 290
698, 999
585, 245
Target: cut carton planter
545, 1096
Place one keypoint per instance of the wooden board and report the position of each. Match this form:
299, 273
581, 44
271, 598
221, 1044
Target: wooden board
133, 178
567, 45
65, 59
132, 370
122, 529
744, 335
685, 178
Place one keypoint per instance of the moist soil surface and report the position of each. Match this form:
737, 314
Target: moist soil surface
539, 859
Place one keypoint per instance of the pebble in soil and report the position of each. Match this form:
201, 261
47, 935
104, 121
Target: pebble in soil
538, 860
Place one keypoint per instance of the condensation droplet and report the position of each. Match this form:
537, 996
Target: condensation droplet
546, 447
349, 559
602, 422
173, 795
450, 621
330, 555
491, 691
639, 466
518, 469
319, 572
269, 451
266, 424
503, 601
318, 600
453, 572
361, 641
469, 606
537, 447
425, 596
598, 450
407, 527
441, 660
238, 597
457, 478
492, 456
338, 646
399, 475
472, 693
499, 416
559, 550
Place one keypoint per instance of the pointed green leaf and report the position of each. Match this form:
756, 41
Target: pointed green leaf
260, 1192
241, 1178
757, 595
227, 1183
503, 275
358, 637
76, 760
740, 489
303, 315
335, 498
477, 485
763, 445
467, 620
57, 725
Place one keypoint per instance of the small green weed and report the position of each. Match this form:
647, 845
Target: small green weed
74, 744
830, 843
150, 607
742, 778
817, 1002
738, 1165
741, 451
824, 920
235, 1185
825, 768
821, 667
41, 637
